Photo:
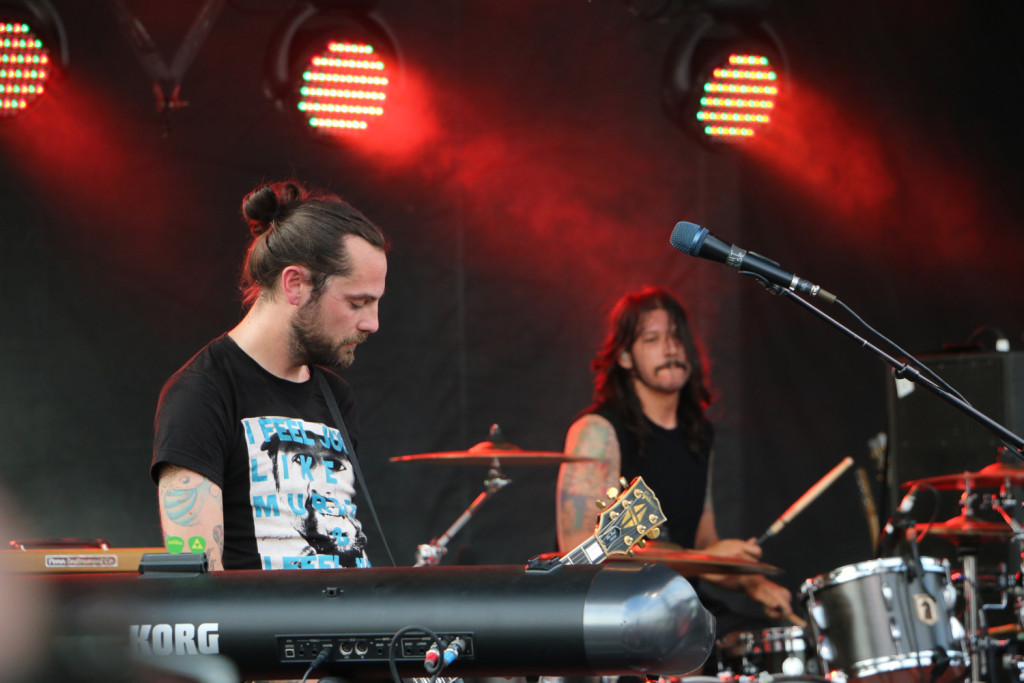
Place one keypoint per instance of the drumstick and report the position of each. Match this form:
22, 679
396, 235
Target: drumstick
805, 500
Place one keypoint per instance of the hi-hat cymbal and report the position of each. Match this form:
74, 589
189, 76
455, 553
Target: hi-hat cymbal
486, 452
990, 476
688, 562
965, 530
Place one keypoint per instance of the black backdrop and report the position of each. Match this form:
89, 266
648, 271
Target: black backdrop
548, 186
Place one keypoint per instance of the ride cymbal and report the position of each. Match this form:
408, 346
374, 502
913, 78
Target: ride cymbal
991, 476
486, 452
965, 530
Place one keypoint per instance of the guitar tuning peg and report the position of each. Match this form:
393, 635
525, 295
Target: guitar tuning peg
654, 533
601, 505
642, 543
612, 493
630, 552
623, 483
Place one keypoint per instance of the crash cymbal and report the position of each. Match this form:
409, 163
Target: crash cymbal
496, 448
687, 562
990, 476
692, 562
965, 530
486, 452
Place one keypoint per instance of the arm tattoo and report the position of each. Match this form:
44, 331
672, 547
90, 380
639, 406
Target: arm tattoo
584, 483
184, 498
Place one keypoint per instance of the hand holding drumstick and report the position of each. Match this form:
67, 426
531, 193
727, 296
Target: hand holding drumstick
767, 593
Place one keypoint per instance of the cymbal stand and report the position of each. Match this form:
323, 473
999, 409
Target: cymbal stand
431, 553
972, 610
1000, 503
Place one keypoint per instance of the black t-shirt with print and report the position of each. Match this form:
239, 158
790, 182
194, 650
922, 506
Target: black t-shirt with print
272, 447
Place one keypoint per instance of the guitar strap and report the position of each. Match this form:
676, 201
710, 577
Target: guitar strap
332, 405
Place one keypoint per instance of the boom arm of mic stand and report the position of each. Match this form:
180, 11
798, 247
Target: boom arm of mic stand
904, 371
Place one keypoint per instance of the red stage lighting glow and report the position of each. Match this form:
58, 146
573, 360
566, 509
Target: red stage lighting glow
345, 87
24, 68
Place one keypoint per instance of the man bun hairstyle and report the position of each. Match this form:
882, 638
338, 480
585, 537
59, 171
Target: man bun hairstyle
293, 225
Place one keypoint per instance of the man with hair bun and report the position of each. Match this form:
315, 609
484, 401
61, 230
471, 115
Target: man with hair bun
648, 419
250, 464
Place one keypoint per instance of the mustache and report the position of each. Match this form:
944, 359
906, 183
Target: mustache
674, 363
357, 339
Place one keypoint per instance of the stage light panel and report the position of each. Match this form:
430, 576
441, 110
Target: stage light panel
723, 80
333, 70
344, 87
739, 96
25, 67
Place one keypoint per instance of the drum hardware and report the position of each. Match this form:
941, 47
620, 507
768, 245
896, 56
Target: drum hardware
490, 453
968, 533
431, 553
783, 650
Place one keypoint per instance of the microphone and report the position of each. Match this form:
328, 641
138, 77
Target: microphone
694, 240
899, 521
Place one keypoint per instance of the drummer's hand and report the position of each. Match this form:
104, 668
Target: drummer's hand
775, 599
735, 548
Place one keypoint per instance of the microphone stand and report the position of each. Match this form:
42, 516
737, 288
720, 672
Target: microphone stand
905, 371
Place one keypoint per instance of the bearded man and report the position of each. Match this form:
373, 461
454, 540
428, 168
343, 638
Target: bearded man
313, 277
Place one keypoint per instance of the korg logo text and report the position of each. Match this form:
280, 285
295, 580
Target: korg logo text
174, 639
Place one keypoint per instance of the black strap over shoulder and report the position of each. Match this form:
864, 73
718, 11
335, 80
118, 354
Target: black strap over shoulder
332, 404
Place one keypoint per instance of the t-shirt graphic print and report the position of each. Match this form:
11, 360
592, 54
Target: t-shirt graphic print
301, 486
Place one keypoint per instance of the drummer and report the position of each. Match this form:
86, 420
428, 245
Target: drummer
648, 419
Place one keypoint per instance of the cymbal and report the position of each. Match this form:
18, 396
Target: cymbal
688, 562
990, 476
486, 452
964, 530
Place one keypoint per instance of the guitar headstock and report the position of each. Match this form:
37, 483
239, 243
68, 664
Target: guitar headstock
634, 516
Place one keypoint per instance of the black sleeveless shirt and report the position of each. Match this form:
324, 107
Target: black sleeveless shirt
676, 474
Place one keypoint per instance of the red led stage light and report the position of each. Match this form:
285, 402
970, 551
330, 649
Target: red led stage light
723, 80
344, 87
334, 70
24, 68
739, 97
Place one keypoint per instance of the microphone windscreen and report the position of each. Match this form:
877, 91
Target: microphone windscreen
688, 237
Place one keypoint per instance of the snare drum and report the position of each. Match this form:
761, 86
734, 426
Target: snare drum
783, 650
881, 621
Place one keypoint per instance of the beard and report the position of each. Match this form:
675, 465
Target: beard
310, 345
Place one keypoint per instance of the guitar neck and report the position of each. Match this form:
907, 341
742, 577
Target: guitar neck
588, 552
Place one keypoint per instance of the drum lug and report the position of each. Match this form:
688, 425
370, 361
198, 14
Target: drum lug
956, 629
949, 593
825, 649
837, 676
818, 614
895, 630
887, 596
